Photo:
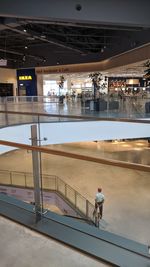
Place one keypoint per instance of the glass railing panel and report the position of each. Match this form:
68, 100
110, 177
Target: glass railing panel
113, 105
3, 120
5, 177
61, 187
81, 203
8, 119
48, 182
18, 179
70, 195
90, 210
29, 180
126, 190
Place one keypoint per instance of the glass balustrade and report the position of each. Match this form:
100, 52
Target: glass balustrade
113, 106
74, 181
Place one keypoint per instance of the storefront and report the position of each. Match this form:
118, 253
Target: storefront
72, 84
27, 82
126, 85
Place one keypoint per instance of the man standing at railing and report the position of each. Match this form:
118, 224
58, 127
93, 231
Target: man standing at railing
99, 200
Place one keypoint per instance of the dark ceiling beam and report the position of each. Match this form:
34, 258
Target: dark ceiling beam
81, 35
63, 44
12, 22
108, 12
66, 39
20, 54
6, 36
46, 40
11, 52
82, 40
87, 25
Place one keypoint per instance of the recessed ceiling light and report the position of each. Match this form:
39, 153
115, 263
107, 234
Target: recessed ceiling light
25, 30
30, 38
26, 47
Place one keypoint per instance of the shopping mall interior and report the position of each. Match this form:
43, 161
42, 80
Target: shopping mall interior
74, 122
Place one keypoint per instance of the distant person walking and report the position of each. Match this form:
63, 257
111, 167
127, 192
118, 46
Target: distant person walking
99, 201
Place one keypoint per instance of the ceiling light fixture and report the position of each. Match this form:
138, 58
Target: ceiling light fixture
26, 47
25, 30
24, 58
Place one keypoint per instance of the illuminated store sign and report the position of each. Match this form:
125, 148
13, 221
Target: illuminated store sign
25, 78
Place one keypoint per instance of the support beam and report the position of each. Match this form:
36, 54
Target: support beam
138, 54
113, 12
36, 173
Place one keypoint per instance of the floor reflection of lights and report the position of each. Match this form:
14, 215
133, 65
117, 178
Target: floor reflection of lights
126, 145
140, 144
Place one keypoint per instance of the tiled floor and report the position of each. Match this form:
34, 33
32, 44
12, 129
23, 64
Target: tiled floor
20, 247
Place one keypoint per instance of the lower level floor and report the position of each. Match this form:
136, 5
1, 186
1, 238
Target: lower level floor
127, 197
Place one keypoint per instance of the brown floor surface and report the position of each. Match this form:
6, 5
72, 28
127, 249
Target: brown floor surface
126, 209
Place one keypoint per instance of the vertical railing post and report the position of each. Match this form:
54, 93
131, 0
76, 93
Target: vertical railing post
36, 173
108, 99
66, 190
25, 179
87, 209
75, 199
32, 105
56, 183
11, 178
6, 114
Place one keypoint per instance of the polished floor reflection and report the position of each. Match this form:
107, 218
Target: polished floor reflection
134, 151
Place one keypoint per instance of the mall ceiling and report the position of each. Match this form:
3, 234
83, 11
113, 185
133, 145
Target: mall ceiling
31, 43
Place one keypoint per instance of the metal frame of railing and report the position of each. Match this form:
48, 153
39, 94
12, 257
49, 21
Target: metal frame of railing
29, 99
52, 183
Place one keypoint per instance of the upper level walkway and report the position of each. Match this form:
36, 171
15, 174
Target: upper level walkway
105, 107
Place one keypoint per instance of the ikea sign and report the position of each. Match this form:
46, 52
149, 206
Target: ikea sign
25, 78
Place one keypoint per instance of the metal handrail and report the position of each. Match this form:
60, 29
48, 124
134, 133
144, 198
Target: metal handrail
79, 202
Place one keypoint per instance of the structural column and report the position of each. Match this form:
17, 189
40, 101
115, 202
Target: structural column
36, 173
40, 85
